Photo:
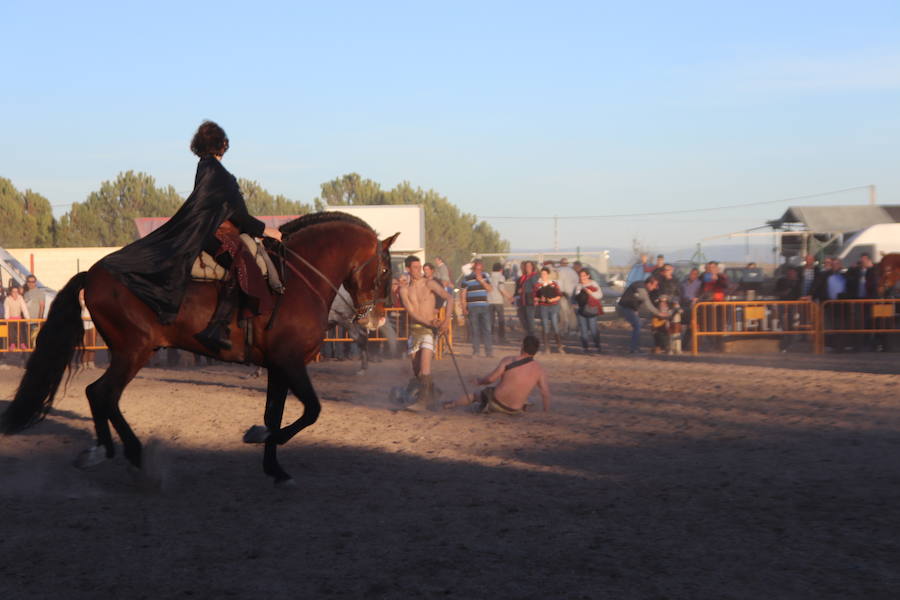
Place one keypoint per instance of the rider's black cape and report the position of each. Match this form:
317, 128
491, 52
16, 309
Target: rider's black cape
157, 268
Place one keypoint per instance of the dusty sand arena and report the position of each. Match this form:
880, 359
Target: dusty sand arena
725, 477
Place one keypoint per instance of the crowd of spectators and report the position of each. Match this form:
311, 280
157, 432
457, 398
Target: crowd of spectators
554, 294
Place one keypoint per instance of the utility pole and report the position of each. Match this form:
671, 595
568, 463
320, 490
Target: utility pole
872, 195
555, 233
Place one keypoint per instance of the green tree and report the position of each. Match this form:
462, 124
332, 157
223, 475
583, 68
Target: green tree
26, 218
449, 232
351, 189
106, 218
262, 203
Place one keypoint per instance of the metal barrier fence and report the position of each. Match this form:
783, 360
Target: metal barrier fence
18, 335
400, 323
841, 318
779, 318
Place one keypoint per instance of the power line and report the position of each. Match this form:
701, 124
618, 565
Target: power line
689, 210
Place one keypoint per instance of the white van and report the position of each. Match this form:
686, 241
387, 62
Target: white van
874, 241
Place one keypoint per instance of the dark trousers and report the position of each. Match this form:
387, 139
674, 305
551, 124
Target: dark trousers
526, 318
480, 319
500, 328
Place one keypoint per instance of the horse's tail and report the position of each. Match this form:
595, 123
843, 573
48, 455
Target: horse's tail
61, 334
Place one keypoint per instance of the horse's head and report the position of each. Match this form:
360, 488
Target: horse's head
369, 284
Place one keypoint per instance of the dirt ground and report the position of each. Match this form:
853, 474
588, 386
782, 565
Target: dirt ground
652, 477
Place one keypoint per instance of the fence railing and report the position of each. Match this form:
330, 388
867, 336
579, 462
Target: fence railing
19, 335
399, 322
744, 319
846, 317
769, 318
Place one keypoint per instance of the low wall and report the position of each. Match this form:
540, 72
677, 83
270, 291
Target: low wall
55, 266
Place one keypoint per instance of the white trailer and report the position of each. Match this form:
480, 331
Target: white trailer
388, 219
875, 241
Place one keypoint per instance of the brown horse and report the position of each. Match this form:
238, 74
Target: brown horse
888, 273
322, 251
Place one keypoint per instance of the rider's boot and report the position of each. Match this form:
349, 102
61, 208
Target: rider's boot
216, 336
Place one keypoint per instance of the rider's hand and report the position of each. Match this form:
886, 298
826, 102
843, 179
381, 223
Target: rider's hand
272, 233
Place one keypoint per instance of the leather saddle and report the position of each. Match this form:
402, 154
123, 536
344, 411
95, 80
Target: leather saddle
205, 267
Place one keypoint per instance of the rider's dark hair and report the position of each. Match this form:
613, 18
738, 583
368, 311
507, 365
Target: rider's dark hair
411, 259
530, 345
210, 140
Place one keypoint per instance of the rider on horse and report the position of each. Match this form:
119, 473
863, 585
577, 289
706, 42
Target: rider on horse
157, 268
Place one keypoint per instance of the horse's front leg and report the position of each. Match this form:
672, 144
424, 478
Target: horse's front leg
276, 392
299, 383
272, 434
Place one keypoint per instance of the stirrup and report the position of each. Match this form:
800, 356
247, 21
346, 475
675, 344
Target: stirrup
213, 342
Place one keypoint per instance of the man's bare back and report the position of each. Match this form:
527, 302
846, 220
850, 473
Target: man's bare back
517, 376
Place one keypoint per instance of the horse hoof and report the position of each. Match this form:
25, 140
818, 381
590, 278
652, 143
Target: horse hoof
93, 456
256, 434
286, 484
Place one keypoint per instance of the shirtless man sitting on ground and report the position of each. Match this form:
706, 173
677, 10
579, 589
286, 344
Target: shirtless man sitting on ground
418, 300
518, 375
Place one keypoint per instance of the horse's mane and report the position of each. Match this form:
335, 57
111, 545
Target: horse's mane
318, 218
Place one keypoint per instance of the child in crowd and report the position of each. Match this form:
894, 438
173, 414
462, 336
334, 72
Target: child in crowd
660, 327
675, 328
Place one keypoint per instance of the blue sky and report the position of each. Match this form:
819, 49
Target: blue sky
507, 108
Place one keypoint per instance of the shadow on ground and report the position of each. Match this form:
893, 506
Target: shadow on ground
802, 514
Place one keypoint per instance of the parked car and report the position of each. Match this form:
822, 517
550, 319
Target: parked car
743, 279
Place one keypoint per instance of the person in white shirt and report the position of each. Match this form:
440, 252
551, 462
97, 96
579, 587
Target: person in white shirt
497, 300
15, 308
567, 278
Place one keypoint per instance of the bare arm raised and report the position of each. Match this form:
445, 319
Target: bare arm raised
496, 374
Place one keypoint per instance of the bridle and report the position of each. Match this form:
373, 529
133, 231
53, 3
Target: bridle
360, 312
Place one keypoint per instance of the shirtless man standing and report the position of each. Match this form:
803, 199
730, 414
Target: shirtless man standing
418, 300
518, 375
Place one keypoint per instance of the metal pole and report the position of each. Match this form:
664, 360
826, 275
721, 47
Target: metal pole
455, 364
555, 233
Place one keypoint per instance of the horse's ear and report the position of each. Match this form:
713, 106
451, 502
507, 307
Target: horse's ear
386, 243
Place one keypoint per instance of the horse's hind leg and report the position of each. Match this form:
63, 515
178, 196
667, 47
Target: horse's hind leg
96, 399
104, 395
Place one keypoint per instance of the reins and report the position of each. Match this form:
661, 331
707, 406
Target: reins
359, 312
